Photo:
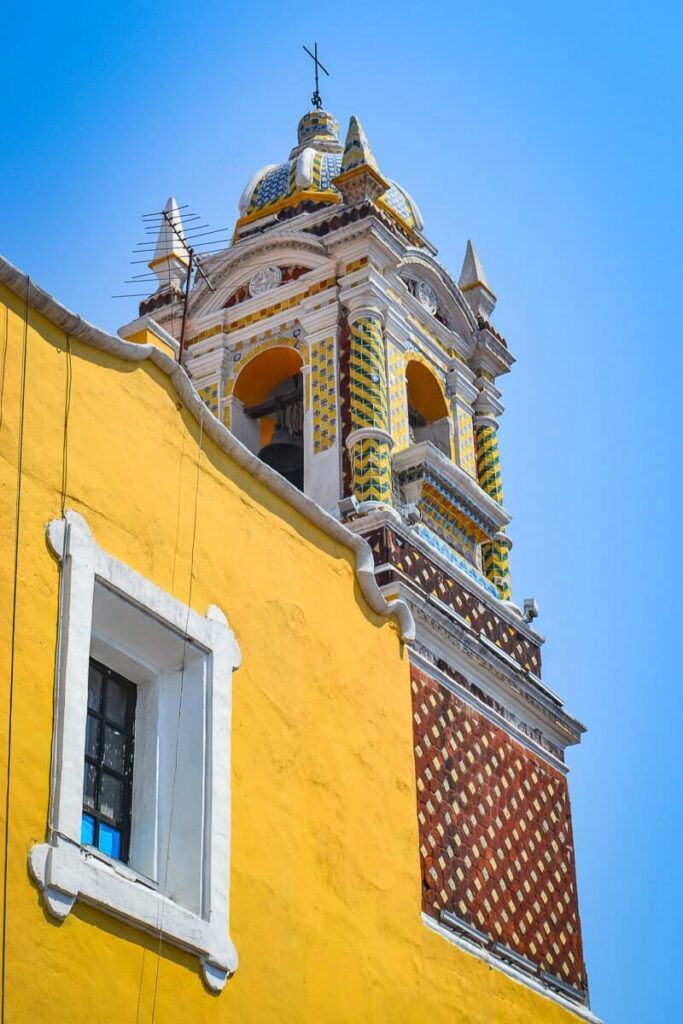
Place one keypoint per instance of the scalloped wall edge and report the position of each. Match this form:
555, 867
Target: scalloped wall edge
71, 323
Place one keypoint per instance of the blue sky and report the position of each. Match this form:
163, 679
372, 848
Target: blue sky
548, 133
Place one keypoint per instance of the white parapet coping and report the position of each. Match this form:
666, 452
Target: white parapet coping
71, 323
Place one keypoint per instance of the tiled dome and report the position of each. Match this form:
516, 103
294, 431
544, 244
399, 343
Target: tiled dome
308, 176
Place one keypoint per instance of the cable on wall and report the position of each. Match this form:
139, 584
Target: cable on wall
4, 362
180, 709
15, 588
65, 437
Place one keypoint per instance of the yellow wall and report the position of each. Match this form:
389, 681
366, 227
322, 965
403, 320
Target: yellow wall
325, 886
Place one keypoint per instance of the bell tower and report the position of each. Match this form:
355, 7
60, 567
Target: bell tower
336, 346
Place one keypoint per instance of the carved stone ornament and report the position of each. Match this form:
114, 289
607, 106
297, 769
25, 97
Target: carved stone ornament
264, 280
427, 296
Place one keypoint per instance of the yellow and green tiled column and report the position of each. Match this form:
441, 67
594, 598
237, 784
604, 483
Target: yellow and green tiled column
462, 393
495, 554
369, 442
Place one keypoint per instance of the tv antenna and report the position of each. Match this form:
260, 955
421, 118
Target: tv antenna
183, 243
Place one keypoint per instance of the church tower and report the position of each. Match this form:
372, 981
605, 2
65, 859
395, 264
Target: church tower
330, 340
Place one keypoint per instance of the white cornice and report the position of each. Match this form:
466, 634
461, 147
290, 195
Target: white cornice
491, 354
459, 382
522, 712
427, 454
392, 519
72, 324
507, 683
379, 244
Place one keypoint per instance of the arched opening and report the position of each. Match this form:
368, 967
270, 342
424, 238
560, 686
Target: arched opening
428, 416
268, 411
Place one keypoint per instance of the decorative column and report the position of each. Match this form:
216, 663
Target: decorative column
369, 442
462, 393
495, 554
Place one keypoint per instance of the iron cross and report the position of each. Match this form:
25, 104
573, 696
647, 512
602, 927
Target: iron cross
315, 99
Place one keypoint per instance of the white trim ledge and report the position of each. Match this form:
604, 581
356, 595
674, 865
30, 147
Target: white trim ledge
67, 871
583, 1012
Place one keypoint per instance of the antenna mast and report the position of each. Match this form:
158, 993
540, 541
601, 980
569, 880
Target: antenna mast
193, 263
187, 247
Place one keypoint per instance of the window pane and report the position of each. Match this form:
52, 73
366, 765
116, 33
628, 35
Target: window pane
117, 702
94, 688
92, 737
109, 841
89, 785
114, 749
111, 797
87, 829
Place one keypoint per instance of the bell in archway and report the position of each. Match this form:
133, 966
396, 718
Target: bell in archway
285, 453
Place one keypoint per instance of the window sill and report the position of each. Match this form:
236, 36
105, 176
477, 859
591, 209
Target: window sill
67, 871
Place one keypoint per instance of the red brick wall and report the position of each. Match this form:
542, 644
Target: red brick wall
496, 842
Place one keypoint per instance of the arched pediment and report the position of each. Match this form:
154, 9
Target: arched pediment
453, 310
232, 270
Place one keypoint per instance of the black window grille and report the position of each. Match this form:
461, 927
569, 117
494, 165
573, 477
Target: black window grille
108, 773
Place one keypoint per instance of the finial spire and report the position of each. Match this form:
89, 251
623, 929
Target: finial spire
360, 178
170, 256
315, 98
357, 149
476, 289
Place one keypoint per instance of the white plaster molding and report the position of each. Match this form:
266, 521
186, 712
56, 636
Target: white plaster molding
529, 700
367, 237
63, 867
73, 324
460, 384
491, 354
147, 322
392, 519
369, 432
433, 271
581, 1011
427, 454
319, 322
360, 305
496, 688
215, 313
232, 267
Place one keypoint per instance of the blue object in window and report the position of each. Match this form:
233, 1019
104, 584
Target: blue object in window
87, 830
109, 841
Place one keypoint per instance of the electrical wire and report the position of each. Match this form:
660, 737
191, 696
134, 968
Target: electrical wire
65, 437
15, 590
4, 361
180, 709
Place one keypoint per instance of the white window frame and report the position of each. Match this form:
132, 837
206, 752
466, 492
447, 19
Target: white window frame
64, 868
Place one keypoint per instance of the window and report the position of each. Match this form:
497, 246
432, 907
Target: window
108, 771
140, 804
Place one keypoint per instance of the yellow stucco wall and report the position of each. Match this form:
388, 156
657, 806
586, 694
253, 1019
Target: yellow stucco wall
325, 882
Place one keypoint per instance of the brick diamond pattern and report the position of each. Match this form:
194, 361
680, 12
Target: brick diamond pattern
434, 580
496, 842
